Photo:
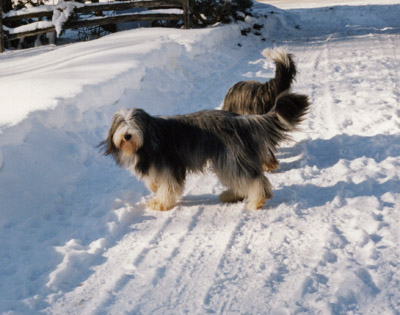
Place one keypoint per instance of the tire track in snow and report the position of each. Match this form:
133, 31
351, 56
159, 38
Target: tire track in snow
192, 254
145, 266
219, 294
322, 111
98, 289
343, 84
388, 46
196, 258
261, 264
154, 267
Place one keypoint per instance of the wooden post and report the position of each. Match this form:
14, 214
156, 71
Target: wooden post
1, 28
187, 13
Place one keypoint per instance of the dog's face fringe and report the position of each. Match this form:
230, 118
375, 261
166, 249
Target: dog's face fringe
125, 136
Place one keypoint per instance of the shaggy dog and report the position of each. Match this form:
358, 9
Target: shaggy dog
257, 98
162, 150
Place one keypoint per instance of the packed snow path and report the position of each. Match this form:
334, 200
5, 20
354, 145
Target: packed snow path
75, 237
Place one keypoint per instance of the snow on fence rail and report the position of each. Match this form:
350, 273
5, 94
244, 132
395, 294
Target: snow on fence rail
58, 15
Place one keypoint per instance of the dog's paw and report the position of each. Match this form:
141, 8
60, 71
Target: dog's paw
158, 205
229, 197
255, 204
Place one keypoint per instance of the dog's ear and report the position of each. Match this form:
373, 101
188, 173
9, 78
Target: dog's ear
106, 147
102, 147
150, 128
141, 117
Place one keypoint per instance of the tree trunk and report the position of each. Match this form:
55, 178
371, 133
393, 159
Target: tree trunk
6, 4
1, 28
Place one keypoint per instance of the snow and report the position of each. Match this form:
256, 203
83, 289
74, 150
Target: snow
145, 12
162, 11
76, 238
284, 4
62, 12
42, 8
28, 27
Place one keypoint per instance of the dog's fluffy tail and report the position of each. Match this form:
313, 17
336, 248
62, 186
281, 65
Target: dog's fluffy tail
285, 68
291, 109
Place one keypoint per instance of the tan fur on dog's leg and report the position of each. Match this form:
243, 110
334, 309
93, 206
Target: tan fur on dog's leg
255, 204
159, 205
259, 190
167, 194
271, 165
151, 180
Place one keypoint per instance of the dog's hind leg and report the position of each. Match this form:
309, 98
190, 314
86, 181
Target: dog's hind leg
271, 165
230, 196
234, 192
169, 190
259, 190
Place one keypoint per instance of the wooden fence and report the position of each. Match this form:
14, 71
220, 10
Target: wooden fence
47, 11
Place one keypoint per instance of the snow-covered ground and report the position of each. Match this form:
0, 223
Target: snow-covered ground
76, 238
292, 4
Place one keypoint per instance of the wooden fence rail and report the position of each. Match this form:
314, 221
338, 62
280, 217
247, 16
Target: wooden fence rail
47, 11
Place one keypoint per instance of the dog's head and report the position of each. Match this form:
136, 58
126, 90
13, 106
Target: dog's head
126, 135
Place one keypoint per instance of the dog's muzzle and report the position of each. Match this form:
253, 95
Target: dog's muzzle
128, 146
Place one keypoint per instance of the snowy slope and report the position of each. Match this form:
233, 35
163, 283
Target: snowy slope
75, 237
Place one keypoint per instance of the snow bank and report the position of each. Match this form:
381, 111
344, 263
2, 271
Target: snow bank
62, 72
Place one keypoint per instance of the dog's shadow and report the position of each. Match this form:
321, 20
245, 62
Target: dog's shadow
324, 153
290, 158
199, 200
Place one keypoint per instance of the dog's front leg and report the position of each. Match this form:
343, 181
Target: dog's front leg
151, 180
151, 184
168, 192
